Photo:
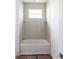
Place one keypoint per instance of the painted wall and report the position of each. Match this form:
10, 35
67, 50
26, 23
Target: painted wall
19, 24
34, 28
61, 25
54, 21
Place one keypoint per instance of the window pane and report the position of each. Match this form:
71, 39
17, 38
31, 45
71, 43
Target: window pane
35, 13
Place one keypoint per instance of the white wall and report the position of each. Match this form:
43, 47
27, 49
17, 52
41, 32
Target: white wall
34, 28
19, 23
61, 25
54, 20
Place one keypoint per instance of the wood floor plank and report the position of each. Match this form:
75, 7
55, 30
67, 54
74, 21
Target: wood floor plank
31, 57
26, 57
34, 57
21, 57
44, 57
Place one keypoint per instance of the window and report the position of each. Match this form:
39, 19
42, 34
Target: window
35, 13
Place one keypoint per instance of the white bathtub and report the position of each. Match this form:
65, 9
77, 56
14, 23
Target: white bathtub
34, 46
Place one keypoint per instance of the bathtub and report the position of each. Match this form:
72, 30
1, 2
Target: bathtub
34, 46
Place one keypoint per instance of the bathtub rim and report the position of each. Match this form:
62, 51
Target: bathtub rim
39, 40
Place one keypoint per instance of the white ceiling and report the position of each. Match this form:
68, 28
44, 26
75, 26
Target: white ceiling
35, 1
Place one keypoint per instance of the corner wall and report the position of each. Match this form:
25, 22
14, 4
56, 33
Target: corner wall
18, 25
54, 21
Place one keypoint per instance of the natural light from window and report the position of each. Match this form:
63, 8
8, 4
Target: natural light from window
35, 13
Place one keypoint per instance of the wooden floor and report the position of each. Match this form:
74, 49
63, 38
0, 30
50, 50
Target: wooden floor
34, 57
